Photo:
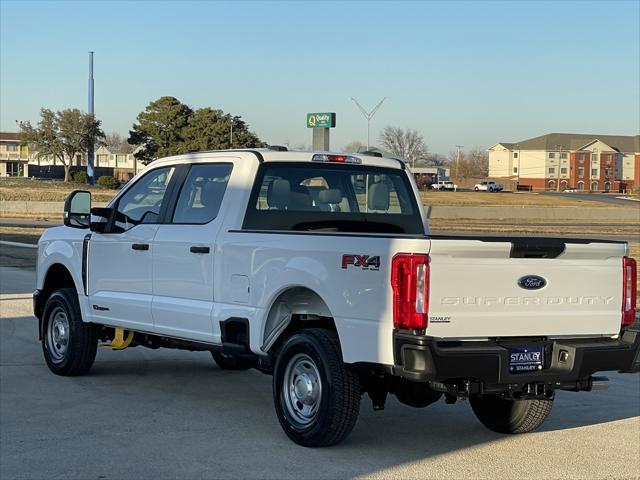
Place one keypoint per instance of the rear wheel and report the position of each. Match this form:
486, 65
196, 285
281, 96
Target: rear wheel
510, 416
69, 345
230, 362
317, 399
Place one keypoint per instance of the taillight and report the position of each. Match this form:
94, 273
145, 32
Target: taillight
410, 283
629, 290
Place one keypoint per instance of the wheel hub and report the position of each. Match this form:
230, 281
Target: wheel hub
58, 335
302, 389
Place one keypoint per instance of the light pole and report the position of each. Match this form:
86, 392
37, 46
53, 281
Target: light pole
559, 147
231, 134
458, 148
369, 116
518, 172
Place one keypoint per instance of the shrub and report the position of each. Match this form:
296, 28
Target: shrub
107, 181
79, 176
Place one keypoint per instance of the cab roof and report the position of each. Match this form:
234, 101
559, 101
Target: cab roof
269, 155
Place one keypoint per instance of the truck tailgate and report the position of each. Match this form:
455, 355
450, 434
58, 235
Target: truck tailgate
503, 287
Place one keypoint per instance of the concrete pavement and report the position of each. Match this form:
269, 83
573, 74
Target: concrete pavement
166, 414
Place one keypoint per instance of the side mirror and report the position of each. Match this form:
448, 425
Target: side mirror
104, 214
77, 209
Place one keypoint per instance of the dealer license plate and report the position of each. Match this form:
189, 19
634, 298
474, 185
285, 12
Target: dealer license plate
525, 359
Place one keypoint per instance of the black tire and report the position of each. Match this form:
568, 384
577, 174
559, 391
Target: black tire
338, 396
69, 345
510, 416
476, 189
230, 362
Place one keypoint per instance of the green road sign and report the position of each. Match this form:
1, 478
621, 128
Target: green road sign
321, 120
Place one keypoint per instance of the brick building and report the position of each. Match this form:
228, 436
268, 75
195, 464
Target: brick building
598, 163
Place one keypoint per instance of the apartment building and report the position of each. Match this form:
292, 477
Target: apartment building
562, 161
18, 160
14, 158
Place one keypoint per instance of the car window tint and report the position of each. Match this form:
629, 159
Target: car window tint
202, 193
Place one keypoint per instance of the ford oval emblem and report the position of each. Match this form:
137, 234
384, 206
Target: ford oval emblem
532, 282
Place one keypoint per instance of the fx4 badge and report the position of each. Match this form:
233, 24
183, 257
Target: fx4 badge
365, 262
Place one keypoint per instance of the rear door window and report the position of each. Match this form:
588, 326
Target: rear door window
202, 193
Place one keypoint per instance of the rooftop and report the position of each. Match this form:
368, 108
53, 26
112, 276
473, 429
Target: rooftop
9, 136
575, 141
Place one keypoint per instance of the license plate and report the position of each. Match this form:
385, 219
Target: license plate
525, 359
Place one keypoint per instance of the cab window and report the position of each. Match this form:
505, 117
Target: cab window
142, 202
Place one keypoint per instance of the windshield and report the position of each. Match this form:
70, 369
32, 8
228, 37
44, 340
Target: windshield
330, 197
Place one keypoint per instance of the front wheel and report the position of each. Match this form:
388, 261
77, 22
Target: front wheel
69, 345
510, 416
317, 398
477, 189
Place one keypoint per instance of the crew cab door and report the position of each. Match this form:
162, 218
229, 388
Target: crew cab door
119, 261
183, 255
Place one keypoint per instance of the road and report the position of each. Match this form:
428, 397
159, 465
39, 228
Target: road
596, 197
165, 414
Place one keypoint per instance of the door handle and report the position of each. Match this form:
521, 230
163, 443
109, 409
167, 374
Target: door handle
196, 249
140, 246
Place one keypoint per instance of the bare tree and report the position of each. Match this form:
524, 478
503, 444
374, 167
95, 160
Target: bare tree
354, 147
472, 164
62, 135
406, 144
437, 160
116, 143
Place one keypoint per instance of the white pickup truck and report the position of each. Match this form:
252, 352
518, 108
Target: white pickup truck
320, 269
444, 185
488, 186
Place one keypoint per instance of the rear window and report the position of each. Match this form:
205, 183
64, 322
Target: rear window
329, 197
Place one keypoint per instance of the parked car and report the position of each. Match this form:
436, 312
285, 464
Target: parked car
279, 261
488, 186
444, 185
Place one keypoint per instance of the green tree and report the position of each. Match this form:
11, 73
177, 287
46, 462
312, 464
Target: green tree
211, 129
168, 127
160, 129
62, 135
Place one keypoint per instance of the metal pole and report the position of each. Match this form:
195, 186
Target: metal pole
458, 147
90, 172
369, 116
518, 176
231, 135
559, 166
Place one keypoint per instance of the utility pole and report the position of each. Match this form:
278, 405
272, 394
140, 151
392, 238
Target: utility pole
369, 116
458, 148
518, 177
90, 172
559, 148
231, 134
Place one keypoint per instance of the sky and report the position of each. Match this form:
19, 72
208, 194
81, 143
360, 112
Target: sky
460, 73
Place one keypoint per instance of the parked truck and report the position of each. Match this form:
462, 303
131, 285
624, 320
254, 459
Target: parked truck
320, 270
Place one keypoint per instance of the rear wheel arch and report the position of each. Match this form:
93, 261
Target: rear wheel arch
293, 309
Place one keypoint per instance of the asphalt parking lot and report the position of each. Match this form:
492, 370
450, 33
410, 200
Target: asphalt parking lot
165, 414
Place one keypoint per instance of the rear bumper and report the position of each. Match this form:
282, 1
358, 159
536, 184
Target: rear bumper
423, 358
